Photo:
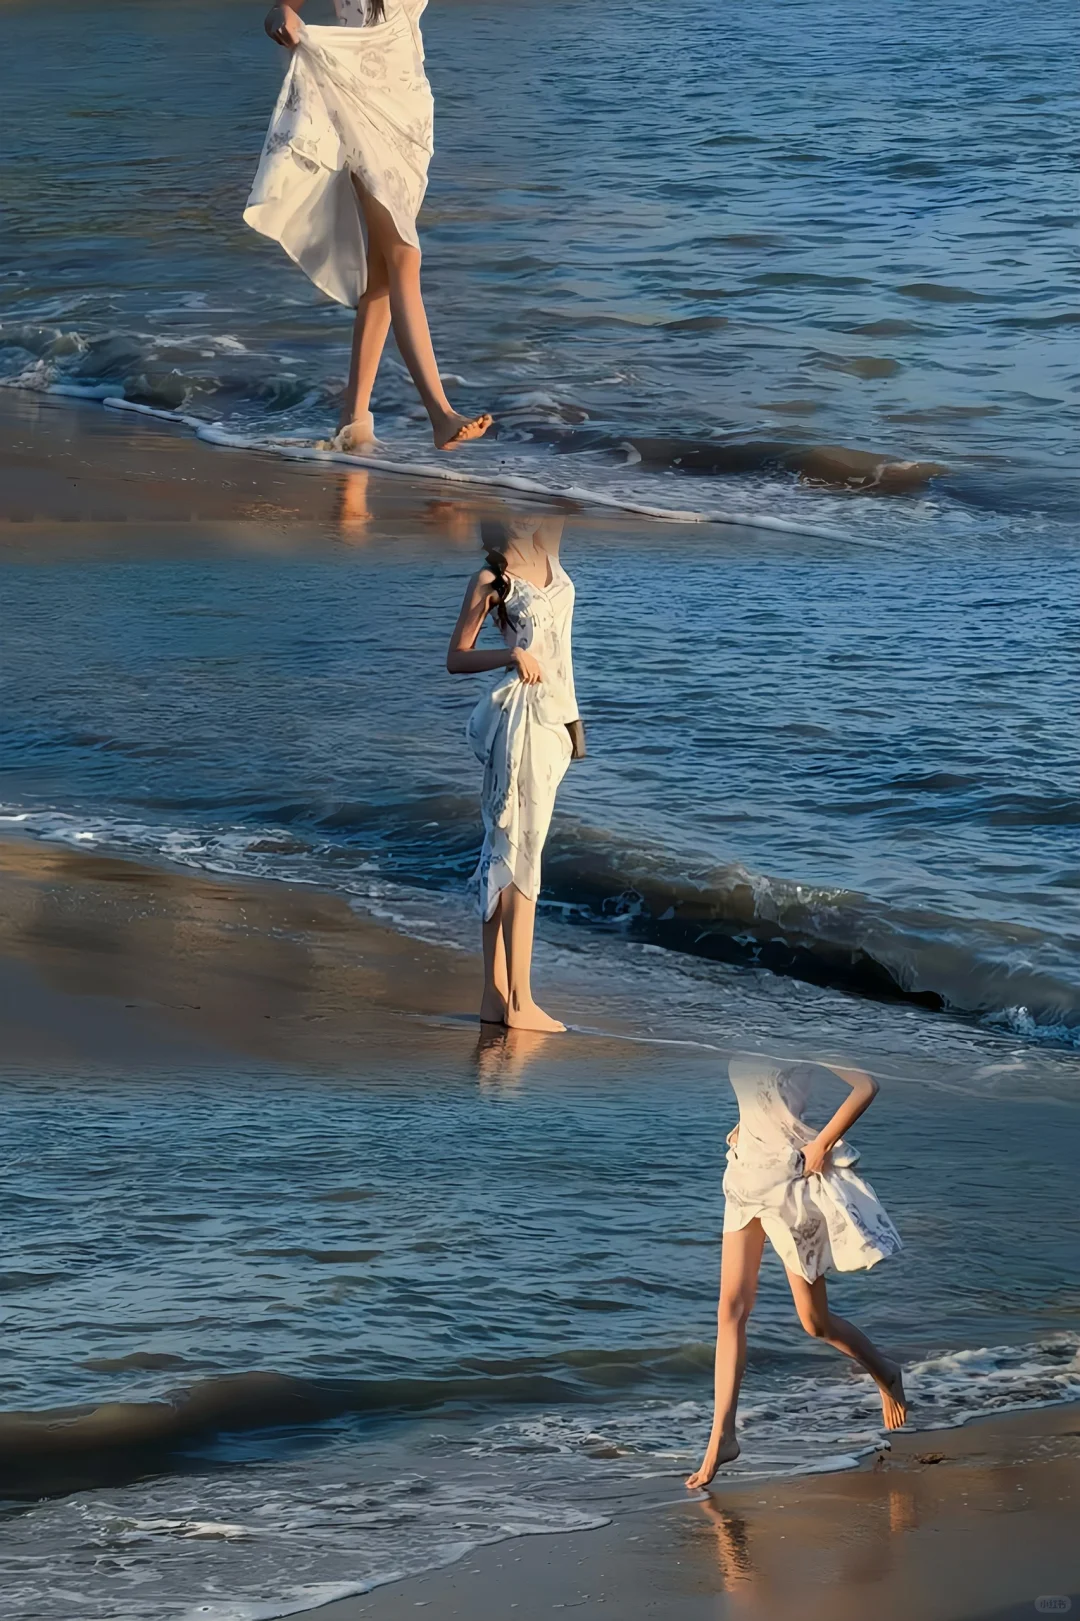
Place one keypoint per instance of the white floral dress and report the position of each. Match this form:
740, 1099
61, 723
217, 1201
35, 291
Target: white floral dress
520, 733
355, 100
828, 1221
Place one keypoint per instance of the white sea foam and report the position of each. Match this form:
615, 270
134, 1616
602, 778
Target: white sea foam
305, 1529
795, 1422
296, 1539
81, 391
295, 449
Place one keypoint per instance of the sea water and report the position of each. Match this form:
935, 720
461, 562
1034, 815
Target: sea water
830, 803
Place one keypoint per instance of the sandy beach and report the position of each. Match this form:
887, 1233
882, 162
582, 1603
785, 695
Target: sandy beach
917, 1533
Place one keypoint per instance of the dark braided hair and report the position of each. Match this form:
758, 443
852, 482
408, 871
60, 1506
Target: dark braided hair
493, 538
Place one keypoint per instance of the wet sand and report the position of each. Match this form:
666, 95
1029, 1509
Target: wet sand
78, 478
106, 961
954, 1524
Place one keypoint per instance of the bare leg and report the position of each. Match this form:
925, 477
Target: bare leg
409, 319
496, 984
739, 1267
518, 925
369, 340
812, 1305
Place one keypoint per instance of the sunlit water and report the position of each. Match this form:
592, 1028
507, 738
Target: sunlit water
820, 763
851, 765
489, 1285
681, 224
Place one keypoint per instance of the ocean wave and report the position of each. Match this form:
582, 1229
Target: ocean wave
71, 1448
253, 1544
214, 385
840, 1417
1010, 977
598, 1402
339, 1511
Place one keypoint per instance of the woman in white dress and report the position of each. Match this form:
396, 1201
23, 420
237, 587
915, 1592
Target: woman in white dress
342, 176
522, 733
797, 1188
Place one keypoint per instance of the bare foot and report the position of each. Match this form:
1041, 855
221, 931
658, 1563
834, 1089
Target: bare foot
356, 435
492, 1010
894, 1401
716, 1453
456, 430
531, 1017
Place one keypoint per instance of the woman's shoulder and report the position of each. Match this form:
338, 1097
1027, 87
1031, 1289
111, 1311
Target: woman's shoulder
484, 582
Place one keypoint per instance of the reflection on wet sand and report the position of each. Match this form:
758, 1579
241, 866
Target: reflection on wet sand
732, 1548
354, 510
762, 1565
882, 1541
504, 1055
364, 501
457, 521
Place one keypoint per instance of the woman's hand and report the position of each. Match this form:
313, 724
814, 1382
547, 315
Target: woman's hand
283, 26
528, 668
815, 1157
864, 1090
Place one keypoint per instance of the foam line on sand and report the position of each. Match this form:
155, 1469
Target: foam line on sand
293, 449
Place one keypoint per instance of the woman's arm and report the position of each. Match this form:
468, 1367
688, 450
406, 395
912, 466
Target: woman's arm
864, 1089
462, 657
283, 22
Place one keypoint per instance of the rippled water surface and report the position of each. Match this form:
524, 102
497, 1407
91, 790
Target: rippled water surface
485, 1308
851, 764
830, 801
721, 232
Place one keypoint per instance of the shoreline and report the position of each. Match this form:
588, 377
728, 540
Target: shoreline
914, 1533
142, 961
72, 467
233, 482
104, 959
138, 966
833, 467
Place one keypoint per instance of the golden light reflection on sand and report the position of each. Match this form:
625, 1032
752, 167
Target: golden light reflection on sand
503, 1056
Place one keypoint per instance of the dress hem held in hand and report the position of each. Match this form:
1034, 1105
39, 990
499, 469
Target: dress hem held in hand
829, 1221
519, 732
354, 101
